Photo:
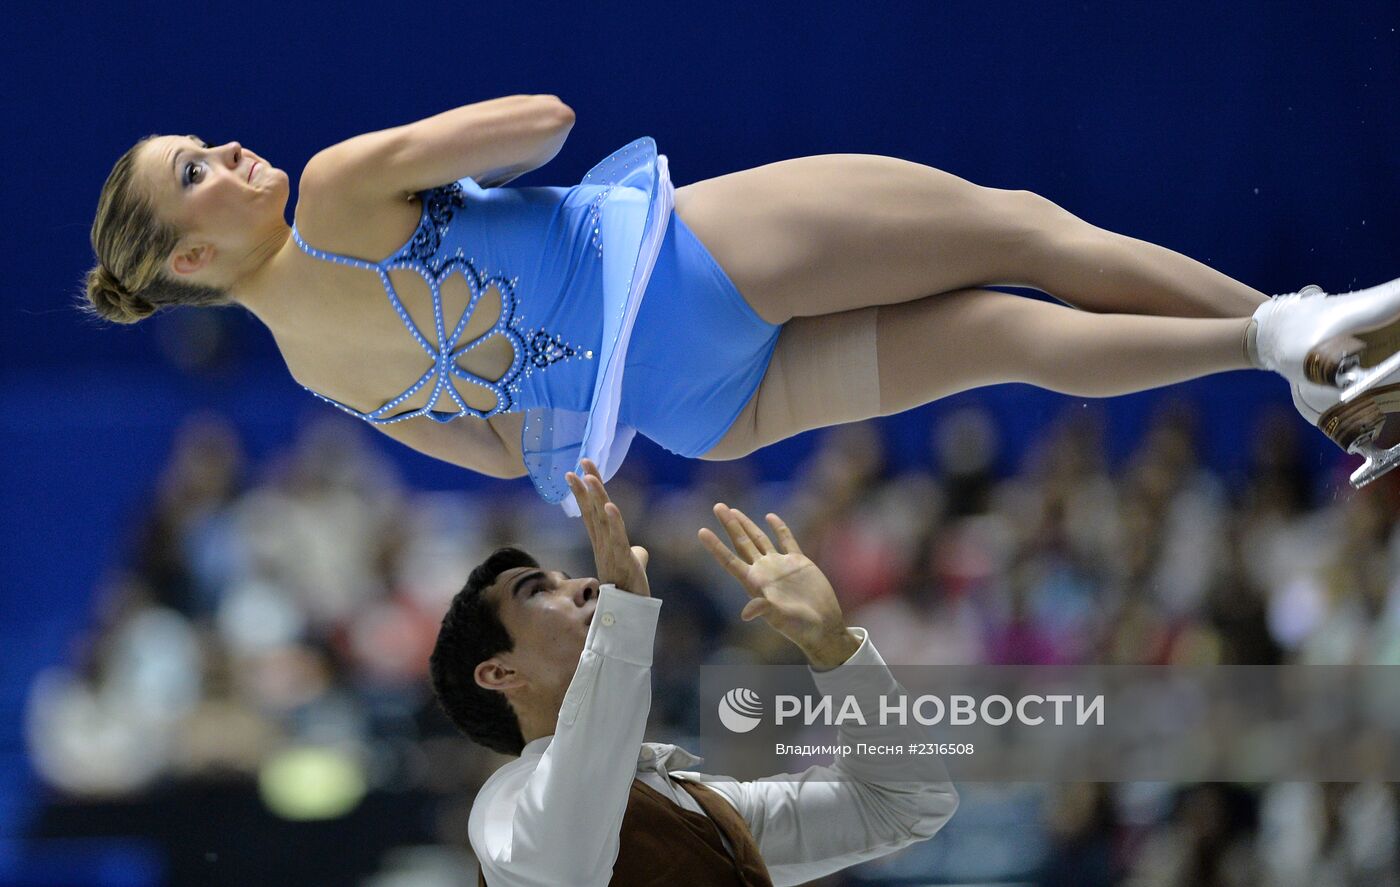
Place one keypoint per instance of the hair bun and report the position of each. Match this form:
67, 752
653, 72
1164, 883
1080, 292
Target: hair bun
110, 300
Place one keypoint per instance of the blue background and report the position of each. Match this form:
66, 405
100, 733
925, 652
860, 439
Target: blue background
1260, 137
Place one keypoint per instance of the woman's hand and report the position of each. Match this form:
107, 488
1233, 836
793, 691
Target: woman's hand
618, 562
785, 588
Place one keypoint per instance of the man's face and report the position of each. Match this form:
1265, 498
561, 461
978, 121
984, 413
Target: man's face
547, 615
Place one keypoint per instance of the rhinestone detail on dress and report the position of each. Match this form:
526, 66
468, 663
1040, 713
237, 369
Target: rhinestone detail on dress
533, 350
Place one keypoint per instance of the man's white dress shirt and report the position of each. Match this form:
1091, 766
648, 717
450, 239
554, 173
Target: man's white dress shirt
552, 816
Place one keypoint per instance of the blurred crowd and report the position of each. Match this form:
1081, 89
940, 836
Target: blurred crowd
272, 622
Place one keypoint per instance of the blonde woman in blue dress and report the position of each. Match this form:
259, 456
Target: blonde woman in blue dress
520, 330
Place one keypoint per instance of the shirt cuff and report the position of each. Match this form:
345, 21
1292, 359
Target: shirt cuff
864, 670
623, 626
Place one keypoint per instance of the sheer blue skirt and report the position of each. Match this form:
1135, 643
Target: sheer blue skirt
681, 351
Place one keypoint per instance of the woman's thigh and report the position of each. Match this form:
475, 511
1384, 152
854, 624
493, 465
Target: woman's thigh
824, 371
831, 233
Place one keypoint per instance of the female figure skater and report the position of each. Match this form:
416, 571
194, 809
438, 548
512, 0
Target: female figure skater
715, 318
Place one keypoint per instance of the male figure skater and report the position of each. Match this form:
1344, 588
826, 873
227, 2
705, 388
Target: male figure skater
557, 671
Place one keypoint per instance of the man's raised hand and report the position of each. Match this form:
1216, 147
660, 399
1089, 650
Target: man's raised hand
618, 562
785, 588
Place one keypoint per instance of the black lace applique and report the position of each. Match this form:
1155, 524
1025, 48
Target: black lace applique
441, 204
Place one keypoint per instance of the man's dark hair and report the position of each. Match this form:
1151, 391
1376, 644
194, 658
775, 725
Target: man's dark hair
471, 633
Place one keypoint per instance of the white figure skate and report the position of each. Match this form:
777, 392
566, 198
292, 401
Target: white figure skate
1353, 417
1348, 341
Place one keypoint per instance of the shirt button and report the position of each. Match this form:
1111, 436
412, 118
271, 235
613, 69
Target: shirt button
609, 619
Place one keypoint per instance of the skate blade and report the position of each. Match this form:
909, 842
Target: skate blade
1378, 462
1358, 381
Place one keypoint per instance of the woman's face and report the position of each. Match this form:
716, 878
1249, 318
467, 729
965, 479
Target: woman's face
224, 199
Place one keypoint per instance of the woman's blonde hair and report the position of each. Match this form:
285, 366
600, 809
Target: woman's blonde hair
128, 282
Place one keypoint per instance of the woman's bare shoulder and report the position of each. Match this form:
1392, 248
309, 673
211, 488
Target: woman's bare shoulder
333, 215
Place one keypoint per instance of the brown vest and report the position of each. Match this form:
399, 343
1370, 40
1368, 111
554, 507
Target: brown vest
664, 845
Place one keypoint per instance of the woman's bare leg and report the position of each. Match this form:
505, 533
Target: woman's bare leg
943, 344
818, 235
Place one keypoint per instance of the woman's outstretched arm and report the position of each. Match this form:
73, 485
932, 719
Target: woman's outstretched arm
491, 141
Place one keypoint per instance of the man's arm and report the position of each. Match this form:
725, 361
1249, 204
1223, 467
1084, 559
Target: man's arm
559, 822
859, 807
